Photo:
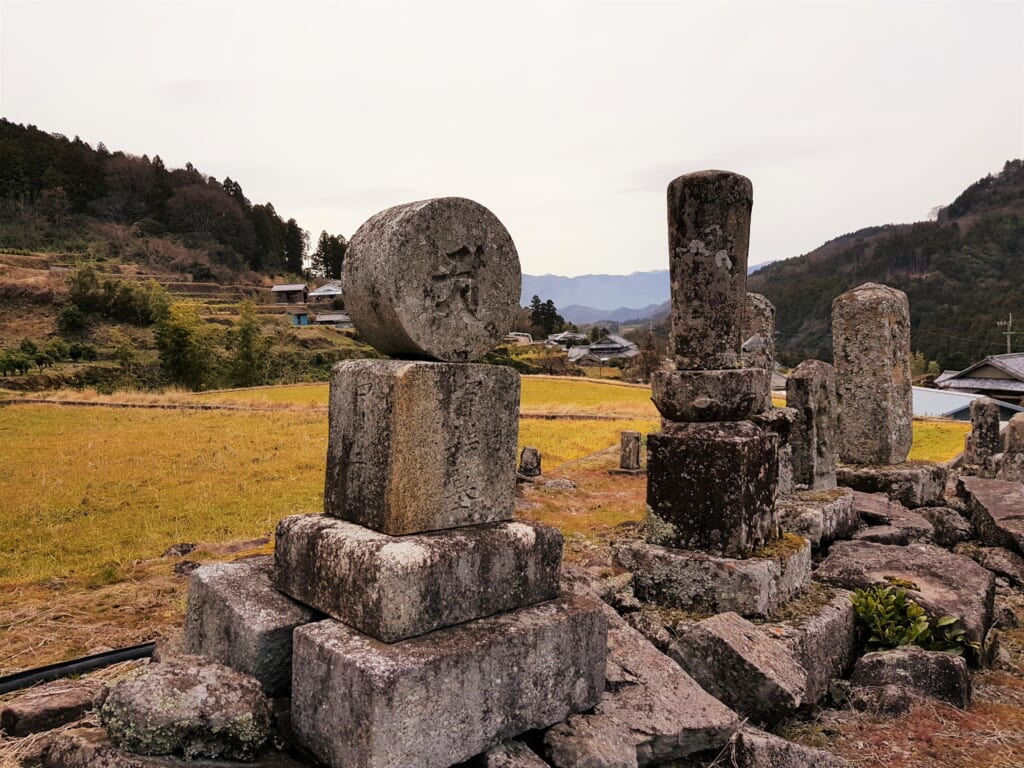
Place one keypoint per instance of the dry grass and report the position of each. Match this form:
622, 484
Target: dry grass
936, 440
561, 441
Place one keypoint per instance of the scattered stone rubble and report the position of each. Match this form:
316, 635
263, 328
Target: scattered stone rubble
416, 623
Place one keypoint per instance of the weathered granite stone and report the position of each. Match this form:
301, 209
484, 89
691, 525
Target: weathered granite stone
780, 421
711, 487
703, 583
237, 617
996, 508
91, 748
883, 534
913, 483
871, 343
708, 238
629, 450
649, 703
823, 639
1010, 467
738, 664
949, 527
188, 706
881, 701
947, 584
416, 447
753, 748
508, 754
392, 588
984, 440
1002, 562
436, 278
935, 674
724, 395
444, 697
529, 462
759, 333
43, 708
811, 392
821, 517
651, 625
1014, 440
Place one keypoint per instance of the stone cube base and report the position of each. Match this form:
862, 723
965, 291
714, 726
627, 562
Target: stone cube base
913, 483
236, 617
393, 588
821, 517
418, 446
724, 395
441, 698
695, 581
711, 487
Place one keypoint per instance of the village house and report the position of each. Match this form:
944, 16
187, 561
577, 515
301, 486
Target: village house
997, 376
336, 319
935, 403
290, 293
610, 347
327, 292
299, 315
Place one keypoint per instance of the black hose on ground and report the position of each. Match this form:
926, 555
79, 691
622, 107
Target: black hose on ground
20, 680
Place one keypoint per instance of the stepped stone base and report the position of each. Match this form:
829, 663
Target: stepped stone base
821, 517
393, 588
721, 395
435, 700
695, 581
913, 484
236, 617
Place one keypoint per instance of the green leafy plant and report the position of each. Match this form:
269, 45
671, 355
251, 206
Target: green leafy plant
890, 618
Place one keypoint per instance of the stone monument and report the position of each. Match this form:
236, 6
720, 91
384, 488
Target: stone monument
630, 443
984, 440
447, 632
811, 392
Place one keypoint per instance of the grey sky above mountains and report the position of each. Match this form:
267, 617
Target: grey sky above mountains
567, 119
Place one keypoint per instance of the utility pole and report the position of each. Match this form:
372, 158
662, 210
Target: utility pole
1009, 332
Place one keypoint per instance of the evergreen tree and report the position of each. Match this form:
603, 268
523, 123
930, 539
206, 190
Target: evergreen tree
185, 346
329, 256
248, 364
296, 243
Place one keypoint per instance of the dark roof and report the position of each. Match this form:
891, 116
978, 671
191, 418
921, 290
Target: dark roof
1012, 364
975, 383
288, 288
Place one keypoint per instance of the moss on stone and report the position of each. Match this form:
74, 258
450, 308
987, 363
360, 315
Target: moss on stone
782, 548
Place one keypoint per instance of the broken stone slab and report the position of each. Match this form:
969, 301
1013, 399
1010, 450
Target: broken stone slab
649, 705
723, 395
415, 447
821, 517
822, 636
984, 440
708, 241
935, 674
45, 707
392, 587
996, 508
738, 664
883, 534
703, 583
946, 584
508, 754
435, 278
92, 748
1002, 562
360, 702
711, 487
235, 616
913, 484
811, 393
877, 509
949, 527
753, 748
529, 462
871, 355
188, 706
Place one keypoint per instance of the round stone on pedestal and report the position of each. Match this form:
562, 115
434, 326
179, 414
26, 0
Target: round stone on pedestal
433, 279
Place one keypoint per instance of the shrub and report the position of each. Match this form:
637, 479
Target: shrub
890, 619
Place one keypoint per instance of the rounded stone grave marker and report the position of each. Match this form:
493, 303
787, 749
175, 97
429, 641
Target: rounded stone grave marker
433, 279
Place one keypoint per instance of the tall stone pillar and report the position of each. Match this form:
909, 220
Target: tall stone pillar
871, 347
811, 392
984, 441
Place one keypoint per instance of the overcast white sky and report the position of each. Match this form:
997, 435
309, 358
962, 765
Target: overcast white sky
567, 119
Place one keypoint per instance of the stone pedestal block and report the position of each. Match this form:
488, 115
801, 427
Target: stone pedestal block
392, 588
711, 487
441, 698
819, 516
871, 343
984, 441
913, 484
724, 395
435, 278
694, 581
811, 392
780, 421
236, 617
708, 239
416, 446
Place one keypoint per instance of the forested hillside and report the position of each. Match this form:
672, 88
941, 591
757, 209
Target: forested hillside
963, 273
61, 195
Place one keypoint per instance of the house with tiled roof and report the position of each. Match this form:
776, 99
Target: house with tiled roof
998, 376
